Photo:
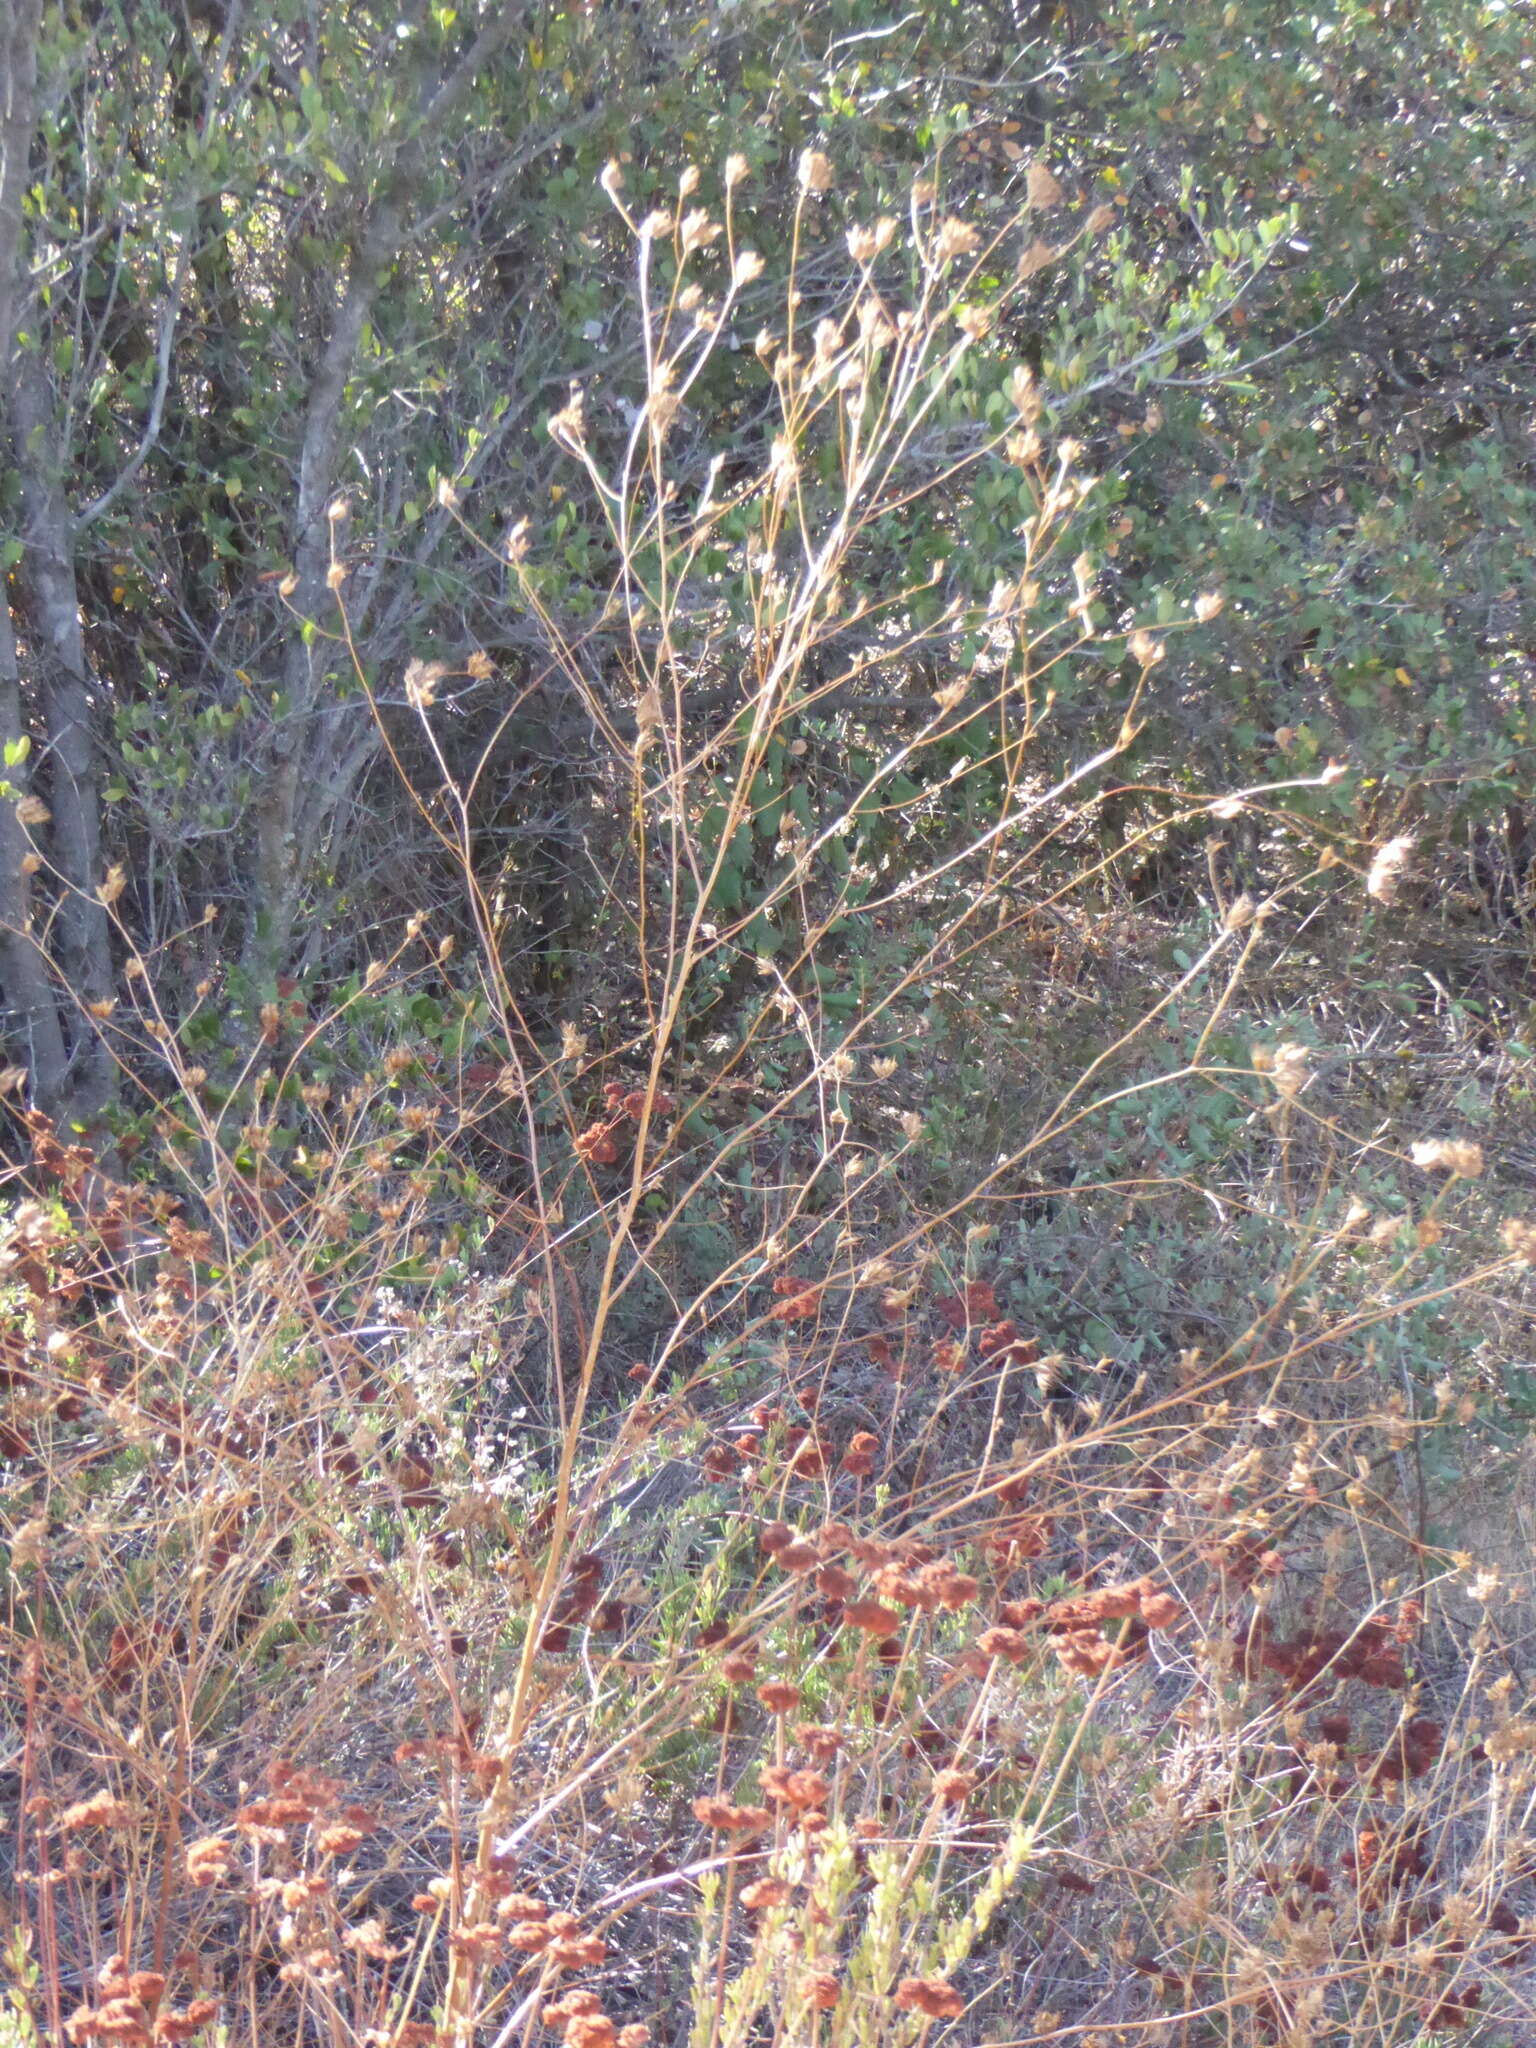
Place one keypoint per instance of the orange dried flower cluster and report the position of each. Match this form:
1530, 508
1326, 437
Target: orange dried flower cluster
456, 1749
822, 1990
298, 1799
723, 1461
1011, 1644
1075, 1627
1013, 1538
1242, 1560
931, 1996
797, 1300
766, 1893
905, 1574
1370, 1653
598, 1144
729, 1819
872, 1617
807, 1459
820, 1744
1086, 1653
480, 1942
210, 1860
578, 1600
535, 1931
859, 1458
1139, 1600
632, 1102
580, 2018
975, 1303
1002, 1341
1454, 2006
1415, 1753
1407, 1858
101, 1810
800, 1789
181, 2023
511, 1905
1077, 1624
129, 2010
340, 1838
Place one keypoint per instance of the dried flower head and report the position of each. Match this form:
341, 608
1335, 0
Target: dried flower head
800, 1789
1287, 1068
1042, 188
766, 1893
931, 1996
821, 1744
728, 1819
1387, 869
1458, 1157
859, 1458
181, 2023
822, 1990
209, 1860
954, 238
872, 1617
101, 1810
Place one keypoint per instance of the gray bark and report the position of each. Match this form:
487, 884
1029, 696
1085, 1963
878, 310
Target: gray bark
304, 791
29, 1015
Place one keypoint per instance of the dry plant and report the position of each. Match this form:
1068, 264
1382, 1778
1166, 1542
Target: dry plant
392, 1659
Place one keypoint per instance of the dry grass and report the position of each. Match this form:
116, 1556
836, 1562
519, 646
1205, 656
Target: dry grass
688, 1582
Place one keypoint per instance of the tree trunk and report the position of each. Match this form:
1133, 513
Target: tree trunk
306, 783
59, 1086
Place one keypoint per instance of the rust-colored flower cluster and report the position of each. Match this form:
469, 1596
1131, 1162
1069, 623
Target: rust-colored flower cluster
796, 1300
1002, 1343
101, 1811
598, 1144
579, 1603
298, 1799
727, 1818
975, 1303
579, 2018
1076, 1627
1371, 1652
1454, 2006
802, 1790
1413, 1753
903, 1575
210, 1860
527, 1925
932, 1996
130, 2010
